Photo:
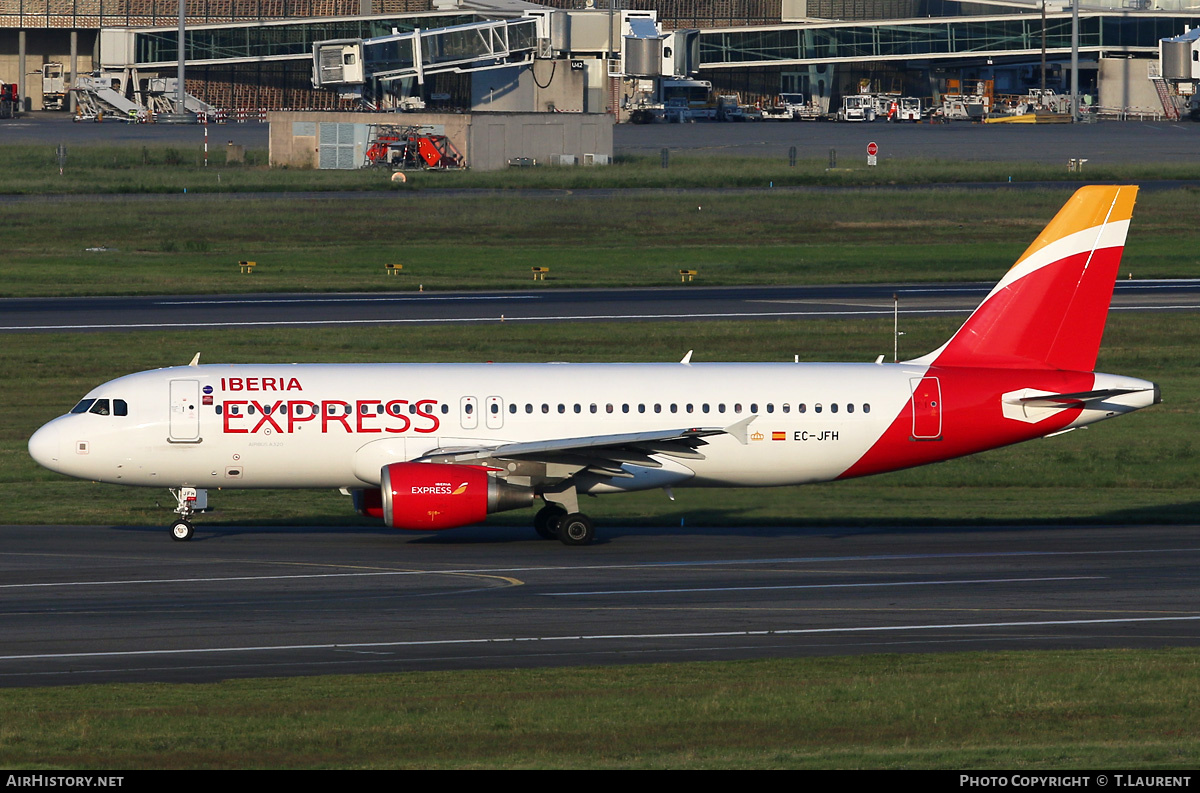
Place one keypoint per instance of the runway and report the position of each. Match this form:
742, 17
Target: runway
95, 604
82, 314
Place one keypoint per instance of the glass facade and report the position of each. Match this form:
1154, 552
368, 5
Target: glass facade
248, 42
130, 13
941, 38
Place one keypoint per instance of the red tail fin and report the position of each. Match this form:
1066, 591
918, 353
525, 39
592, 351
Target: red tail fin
1049, 310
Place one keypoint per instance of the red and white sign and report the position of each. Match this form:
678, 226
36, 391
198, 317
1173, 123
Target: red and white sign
872, 149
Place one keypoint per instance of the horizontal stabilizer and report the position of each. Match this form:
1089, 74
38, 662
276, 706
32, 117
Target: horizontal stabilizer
1070, 400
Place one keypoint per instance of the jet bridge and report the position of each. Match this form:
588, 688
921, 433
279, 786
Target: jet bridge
594, 45
346, 64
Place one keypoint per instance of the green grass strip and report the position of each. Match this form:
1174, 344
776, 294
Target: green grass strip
1073, 710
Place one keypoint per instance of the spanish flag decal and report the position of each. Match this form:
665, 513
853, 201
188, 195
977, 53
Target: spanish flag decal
779, 436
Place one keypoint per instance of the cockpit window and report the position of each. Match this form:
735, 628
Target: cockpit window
102, 407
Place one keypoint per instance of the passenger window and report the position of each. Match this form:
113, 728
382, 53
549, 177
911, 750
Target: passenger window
625, 408
446, 409
753, 407
721, 407
801, 408
817, 408
512, 407
608, 408
704, 407
545, 408
495, 409
737, 407
770, 407
641, 408
219, 411
674, 408
562, 408
866, 407
689, 407
528, 408
657, 407
849, 407
592, 407
468, 408
833, 408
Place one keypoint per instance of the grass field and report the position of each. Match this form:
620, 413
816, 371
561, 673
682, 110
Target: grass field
1018, 711
193, 244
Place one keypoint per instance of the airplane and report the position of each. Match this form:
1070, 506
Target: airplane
436, 446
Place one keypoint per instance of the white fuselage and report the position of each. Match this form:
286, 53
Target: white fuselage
328, 425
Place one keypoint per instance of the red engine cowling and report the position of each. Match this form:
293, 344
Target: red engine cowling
432, 496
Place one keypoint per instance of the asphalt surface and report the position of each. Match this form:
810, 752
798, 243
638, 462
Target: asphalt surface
1102, 142
96, 604
685, 303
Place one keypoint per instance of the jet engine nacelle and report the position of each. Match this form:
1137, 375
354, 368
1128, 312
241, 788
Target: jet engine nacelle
432, 496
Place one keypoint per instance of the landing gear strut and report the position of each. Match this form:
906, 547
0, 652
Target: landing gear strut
188, 500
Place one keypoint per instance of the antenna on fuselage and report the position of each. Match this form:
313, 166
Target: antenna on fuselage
195, 360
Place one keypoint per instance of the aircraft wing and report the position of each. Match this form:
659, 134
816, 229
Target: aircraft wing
600, 453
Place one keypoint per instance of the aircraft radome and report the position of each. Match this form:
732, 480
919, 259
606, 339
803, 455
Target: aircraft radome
429, 447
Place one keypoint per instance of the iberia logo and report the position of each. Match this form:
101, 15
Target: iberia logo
460, 489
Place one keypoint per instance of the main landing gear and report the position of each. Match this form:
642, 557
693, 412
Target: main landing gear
188, 501
552, 522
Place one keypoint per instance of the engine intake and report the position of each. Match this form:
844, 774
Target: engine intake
433, 496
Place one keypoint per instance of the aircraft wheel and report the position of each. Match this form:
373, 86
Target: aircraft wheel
181, 530
576, 529
546, 521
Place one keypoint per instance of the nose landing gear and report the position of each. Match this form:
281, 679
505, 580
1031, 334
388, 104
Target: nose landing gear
188, 501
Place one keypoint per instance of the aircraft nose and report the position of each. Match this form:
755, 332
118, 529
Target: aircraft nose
44, 446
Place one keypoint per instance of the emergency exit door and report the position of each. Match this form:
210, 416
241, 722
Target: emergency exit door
926, 409
495, 412
184, 424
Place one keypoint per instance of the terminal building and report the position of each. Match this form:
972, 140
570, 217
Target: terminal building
244, 56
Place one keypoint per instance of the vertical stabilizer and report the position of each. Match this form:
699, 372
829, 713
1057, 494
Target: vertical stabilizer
1049, 310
